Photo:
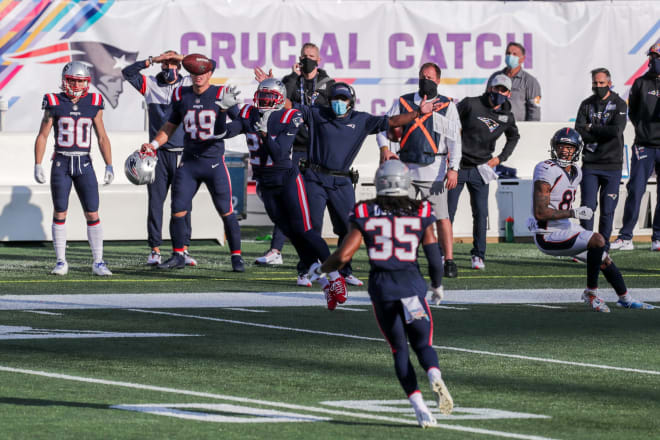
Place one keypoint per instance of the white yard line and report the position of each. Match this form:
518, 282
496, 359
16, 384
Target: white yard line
544, 306
366, 338
241, 309
348, 414
41, 312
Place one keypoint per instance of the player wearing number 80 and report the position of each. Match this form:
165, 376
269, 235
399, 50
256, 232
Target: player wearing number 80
199, 108
555, 185
73, 113
393, 225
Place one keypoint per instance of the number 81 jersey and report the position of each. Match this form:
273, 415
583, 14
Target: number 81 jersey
72, 122
563, 188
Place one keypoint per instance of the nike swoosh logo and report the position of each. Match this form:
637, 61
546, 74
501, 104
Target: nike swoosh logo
85, 164
215, 165
290, 134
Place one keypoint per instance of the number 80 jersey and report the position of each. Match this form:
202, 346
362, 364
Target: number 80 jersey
72, 122
563, 188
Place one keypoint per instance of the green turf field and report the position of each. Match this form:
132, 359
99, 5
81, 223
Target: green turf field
515, 371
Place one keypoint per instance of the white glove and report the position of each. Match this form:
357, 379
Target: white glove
229, 97
582, 213
262, 124
39, 174
437, 293
315, 272
109, 175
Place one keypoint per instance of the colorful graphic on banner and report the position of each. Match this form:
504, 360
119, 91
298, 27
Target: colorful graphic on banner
643, 45
33, 19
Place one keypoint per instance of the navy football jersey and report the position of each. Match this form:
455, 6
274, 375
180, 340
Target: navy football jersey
272, 153
198, 114
336, 141
72, 123
392, 243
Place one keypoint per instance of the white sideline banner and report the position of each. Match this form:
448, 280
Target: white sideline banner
377, 46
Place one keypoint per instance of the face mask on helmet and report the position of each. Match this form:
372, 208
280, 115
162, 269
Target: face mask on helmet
169, 75
75, 87
339, 107
307, 65
566, 136
268, 100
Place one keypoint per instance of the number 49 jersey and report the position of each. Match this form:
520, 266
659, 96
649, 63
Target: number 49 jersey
563, 189
72, 122
392, 243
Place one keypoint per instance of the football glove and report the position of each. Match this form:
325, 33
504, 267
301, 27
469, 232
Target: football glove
262, 124
437, 293
39, 174
315, 272
582, 213
229, 97
109, 175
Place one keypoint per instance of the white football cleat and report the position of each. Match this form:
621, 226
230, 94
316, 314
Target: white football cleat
597, 304
478, 263
424, 418
353, 280
303, 280
271, 257
61, 268
655, 245
440, 392
622, 245
190, 261
154, 258
101, 269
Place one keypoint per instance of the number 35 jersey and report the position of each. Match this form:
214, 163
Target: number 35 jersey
72, 122
392, 243
563, 186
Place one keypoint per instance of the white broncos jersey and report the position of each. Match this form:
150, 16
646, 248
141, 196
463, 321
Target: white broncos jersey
563, 190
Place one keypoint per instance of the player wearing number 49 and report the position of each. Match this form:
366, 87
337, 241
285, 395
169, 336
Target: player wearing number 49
555, 184
72, 113
393, 226
199, 107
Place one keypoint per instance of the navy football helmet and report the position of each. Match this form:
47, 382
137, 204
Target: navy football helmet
392, 179
566, 136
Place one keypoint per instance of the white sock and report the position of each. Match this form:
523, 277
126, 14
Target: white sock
334, 275
323, 281
417, 401
59, 240
433, 374
626, 298
95, 238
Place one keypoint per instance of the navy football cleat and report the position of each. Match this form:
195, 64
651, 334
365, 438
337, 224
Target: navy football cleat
237, 263
176, 261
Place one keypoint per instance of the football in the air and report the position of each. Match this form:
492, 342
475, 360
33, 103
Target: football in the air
197, 64
394, 133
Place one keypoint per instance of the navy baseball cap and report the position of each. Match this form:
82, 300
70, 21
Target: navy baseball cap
341, 89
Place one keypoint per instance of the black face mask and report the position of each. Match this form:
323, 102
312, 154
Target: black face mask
497, 98
654, 65
307, 65
601, 92
427, 88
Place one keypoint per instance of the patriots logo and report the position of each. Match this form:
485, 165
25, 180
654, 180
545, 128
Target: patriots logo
654, 93
492, 125
613, 196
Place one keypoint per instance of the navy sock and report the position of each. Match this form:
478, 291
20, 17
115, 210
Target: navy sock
178, 232
613, 276
233, 233
594, 260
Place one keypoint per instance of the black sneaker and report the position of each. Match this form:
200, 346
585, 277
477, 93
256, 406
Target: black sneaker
176, 261
451, 271
237, 263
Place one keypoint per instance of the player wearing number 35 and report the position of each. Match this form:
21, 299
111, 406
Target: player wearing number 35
72, 113
555, 184
393, 225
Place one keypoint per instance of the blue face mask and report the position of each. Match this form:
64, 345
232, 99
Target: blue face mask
169, 75
497, 98
339, 107
512, 61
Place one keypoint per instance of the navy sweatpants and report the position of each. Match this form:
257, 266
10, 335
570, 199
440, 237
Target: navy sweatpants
600, 186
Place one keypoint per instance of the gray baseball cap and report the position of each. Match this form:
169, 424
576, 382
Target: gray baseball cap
500, 80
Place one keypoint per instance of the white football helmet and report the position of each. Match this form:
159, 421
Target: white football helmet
392, 179
75, 70
270, 94
140, 168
